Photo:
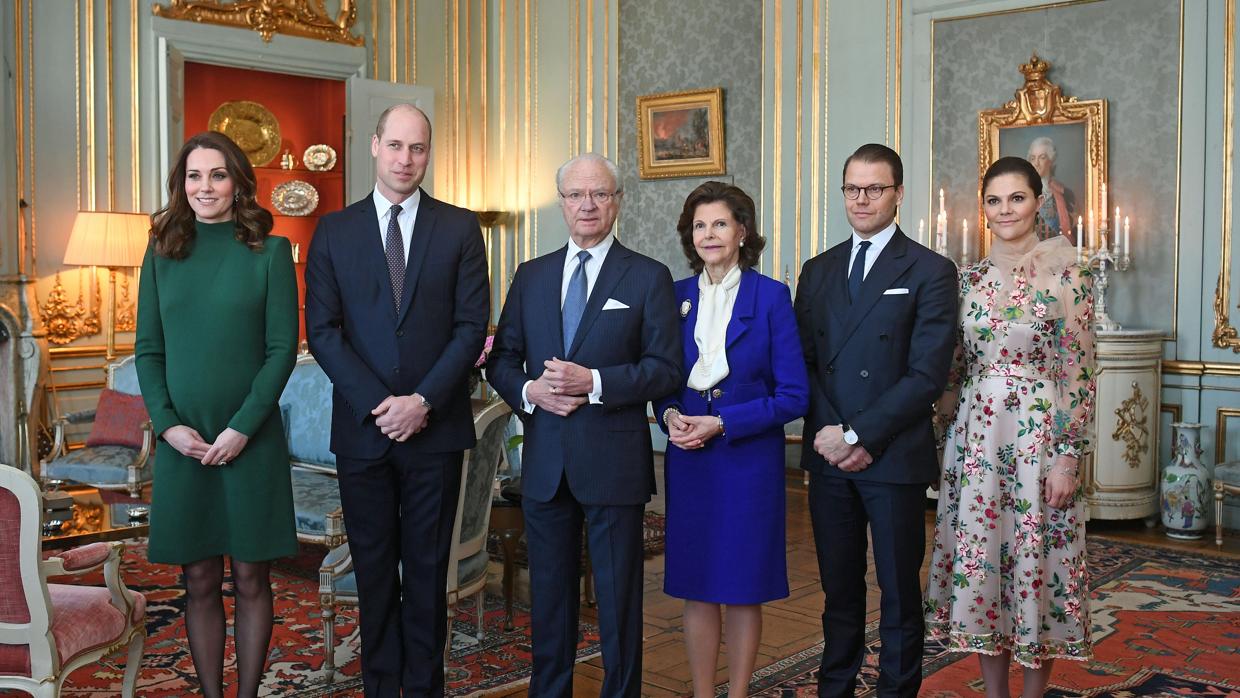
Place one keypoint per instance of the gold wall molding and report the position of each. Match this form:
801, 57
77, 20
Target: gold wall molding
1199, 368
1225, 335
1175, 410
62, 319
1131, 427
1220, 431
304, 18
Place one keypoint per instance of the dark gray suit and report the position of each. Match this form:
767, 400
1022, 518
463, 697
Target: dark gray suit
596, 464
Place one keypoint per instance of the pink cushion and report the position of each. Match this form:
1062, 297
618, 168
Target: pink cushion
84, 557
84, 618
118, 420
12, 599
14, 660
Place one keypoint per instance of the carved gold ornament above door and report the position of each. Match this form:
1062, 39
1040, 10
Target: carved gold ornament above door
307, 18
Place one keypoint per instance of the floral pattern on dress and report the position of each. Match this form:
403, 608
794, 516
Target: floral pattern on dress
1007, 570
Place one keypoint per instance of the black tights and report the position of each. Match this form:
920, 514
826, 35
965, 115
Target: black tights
204, 623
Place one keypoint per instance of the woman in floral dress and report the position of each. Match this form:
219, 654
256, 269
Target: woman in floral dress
1007, 578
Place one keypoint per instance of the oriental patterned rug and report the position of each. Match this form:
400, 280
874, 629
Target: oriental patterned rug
1166, 623
474, 666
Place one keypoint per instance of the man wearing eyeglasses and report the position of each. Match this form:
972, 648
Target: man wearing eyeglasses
877, 316
587, 337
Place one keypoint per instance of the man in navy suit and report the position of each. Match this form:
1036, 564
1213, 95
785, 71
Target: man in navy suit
397, 305
877, 317
588, 336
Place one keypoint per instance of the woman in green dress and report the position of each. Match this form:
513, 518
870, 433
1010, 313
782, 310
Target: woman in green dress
216, 342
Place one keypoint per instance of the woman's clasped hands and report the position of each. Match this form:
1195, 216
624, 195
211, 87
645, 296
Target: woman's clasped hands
689, 432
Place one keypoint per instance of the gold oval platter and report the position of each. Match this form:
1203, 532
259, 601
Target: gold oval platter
251, 126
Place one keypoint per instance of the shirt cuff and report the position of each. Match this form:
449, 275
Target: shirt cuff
596, 393
526, 405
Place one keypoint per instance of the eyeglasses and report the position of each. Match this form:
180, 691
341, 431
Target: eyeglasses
874, 191
600, 198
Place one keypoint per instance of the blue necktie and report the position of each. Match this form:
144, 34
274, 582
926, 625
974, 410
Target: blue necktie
857, 275
575, 300
394, 249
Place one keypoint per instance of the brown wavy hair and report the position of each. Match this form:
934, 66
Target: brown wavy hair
743, 212
172, 227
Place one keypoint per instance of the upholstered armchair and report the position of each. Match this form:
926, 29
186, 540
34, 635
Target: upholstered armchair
49, 630
117, 455
306, 406
468, 560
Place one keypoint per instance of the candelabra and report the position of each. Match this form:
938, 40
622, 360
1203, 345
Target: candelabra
1099, 261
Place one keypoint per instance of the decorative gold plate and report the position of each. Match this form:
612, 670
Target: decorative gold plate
319, 158
295, 198
251, 126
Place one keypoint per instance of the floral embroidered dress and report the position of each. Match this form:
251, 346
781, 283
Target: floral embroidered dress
1008, 571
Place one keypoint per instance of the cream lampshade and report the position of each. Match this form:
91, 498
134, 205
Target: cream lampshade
109, 239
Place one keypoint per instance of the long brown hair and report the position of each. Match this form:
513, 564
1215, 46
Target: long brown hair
172, 227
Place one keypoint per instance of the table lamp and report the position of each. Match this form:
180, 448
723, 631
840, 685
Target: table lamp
109, 239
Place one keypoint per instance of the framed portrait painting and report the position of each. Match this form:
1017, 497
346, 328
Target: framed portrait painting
1063, 137
680, 134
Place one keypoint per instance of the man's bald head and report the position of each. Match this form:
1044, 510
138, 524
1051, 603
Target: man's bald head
401, 107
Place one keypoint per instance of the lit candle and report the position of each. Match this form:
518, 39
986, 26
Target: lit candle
1126, 235
921, 231
964, 236
1115, 231
1078, 238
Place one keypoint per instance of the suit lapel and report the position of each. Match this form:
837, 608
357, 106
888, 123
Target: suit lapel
836, 281
891, 263
423, 226
547, 295
614, 268
743, 308
366, 222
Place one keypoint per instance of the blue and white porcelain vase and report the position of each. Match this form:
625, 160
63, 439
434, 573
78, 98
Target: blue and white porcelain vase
1185, 485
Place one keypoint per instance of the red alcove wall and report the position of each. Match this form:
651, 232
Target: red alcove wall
309, 110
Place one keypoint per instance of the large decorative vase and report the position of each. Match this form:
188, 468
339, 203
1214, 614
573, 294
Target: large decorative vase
1185, 485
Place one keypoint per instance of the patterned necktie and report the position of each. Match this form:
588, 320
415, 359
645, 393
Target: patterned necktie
395, 249
857, 275
575, 300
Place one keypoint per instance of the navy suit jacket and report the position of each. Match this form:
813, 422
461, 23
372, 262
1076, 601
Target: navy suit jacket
603, 450
371, 351
880, 363
766, 385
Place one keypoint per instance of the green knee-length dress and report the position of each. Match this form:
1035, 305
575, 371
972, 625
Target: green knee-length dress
216, 342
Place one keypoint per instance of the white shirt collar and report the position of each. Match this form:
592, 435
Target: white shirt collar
382, 205
598, 252
878, 240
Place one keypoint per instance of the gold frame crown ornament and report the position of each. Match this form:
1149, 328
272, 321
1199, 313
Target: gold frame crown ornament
305, 18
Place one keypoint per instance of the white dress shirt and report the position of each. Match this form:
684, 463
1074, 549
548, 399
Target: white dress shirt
598, 254
408, 215
878, 241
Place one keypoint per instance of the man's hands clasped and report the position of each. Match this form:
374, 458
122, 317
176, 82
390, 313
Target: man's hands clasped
562, 387
401, 416
829, 443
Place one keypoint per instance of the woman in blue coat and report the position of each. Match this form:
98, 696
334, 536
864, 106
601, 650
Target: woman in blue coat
725, 456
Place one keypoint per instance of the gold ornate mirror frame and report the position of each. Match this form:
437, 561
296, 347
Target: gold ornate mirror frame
1038, 103
306, 18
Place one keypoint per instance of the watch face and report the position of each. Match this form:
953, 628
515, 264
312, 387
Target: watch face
850, 437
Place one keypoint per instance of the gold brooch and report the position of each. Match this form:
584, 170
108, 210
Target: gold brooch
685, 307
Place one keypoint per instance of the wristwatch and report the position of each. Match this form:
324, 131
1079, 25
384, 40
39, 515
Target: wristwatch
425, 403
850, 436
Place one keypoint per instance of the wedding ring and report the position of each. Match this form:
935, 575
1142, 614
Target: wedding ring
554, 390
223, 462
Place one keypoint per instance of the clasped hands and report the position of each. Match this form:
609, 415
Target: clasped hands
401, 416
189, 443
829, 443
691, 432
562, 387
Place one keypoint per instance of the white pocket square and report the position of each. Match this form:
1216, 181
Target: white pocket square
613, 304
896, 292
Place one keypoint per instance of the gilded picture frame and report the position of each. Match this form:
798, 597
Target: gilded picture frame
680, 134
1064, 137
